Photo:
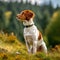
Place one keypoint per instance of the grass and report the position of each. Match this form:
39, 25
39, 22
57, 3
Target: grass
12, 49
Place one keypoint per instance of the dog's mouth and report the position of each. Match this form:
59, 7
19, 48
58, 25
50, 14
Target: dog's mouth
19, 18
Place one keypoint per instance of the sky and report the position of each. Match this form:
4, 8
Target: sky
39, 2
54, 2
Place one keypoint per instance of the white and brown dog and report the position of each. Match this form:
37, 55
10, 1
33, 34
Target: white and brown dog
33, 38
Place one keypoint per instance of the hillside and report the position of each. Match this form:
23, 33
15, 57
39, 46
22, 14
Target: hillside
10, 43
12, 49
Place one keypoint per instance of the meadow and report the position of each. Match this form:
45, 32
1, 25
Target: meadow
12, 49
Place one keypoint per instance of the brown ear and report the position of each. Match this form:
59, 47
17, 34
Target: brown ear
29, 16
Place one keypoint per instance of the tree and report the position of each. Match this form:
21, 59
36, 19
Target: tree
45, 19
2, 10
50, 8
53, 29
57, 8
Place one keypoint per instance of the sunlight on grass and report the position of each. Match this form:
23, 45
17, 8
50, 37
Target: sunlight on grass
12, 49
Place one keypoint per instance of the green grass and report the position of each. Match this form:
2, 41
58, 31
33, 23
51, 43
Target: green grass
10, 47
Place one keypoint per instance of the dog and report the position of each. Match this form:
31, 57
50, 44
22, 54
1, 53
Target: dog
33, 37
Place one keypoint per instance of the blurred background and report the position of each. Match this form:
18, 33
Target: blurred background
47, 18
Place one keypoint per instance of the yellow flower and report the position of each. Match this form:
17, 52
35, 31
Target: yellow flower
11, 37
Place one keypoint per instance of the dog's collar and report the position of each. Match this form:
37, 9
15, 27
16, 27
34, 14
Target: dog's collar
29, 25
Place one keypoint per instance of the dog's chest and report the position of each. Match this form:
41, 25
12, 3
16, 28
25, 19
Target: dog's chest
32, 31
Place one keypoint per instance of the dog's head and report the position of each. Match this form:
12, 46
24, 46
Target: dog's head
25, 15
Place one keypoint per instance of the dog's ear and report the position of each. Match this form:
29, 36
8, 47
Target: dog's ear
29, 14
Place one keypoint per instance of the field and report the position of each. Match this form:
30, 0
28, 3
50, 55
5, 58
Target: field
12, 49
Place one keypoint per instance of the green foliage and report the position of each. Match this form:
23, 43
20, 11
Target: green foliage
53, 29
46, 41
9, 23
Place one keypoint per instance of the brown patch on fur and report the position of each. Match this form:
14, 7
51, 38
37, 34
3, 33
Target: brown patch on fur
40, 36
39, 48
26, 15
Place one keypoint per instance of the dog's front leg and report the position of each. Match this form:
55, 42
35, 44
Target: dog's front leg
27, 44
34, 47
28, 47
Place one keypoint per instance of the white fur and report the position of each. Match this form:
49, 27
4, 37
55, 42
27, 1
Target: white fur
31, 38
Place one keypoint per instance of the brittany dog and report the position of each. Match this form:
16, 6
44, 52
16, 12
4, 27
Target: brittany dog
33, 37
